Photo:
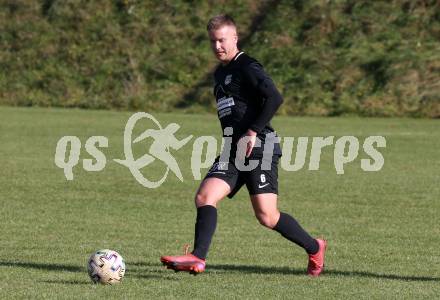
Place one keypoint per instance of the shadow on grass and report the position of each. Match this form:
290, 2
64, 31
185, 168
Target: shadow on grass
152, 276
289, 271
301, 272
134, 272
73, 282
131, 272
89, 282
42, 266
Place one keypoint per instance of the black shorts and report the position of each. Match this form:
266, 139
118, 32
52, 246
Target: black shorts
258, 181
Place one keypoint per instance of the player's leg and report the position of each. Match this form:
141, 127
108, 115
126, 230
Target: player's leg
217, 184
265, 209
267, 213
263, 188
211, 191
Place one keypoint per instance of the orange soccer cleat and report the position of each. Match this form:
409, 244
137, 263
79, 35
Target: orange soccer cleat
316, 261
187, 263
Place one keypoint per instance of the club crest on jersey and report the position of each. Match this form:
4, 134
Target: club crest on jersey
228, 79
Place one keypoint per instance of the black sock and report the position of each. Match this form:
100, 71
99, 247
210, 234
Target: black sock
289, 228
205, 228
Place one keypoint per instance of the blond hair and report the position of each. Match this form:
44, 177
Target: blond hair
219, 21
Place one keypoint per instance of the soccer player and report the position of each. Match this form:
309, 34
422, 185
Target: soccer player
247, 99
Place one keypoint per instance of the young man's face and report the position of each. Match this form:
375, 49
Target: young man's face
224, 43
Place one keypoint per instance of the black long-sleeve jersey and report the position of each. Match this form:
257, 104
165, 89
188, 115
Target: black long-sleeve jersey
247, 99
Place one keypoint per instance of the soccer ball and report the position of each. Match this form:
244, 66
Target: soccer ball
106, 267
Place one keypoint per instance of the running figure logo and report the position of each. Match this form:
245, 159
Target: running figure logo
163, 140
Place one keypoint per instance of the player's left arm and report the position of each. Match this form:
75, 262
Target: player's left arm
266, 87
272, 100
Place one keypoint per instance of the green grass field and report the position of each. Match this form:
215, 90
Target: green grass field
382, 227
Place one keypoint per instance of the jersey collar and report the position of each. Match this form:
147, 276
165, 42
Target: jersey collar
237, 55
232, 60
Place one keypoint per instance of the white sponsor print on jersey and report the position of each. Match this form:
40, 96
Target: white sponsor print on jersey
224, 102
225, 112
224, 106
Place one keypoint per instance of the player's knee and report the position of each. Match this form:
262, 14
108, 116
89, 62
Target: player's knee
200, 199
203, 199
267, 220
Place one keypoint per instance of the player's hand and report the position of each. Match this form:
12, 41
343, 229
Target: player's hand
252, 136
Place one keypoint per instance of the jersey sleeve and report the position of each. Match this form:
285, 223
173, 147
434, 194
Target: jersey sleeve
259, 80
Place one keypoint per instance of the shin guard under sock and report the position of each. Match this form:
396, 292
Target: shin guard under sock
289, 228
204, 230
